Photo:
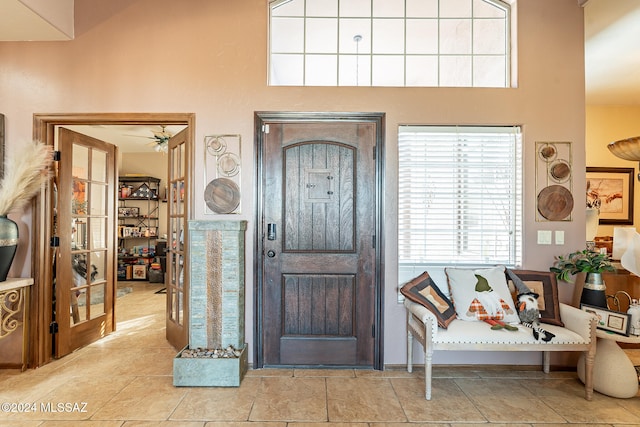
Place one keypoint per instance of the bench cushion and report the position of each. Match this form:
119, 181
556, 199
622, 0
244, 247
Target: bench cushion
463, 332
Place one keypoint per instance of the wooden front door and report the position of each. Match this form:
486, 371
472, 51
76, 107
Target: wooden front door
85, 267
177, 278
319, 274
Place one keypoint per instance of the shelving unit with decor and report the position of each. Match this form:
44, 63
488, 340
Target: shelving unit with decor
138, 220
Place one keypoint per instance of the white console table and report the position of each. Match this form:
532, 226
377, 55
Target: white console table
14, 315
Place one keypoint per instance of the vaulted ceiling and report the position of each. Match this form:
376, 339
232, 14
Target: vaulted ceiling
612, 31
612, 52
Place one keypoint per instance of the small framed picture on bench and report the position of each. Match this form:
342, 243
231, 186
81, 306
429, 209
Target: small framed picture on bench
609, 320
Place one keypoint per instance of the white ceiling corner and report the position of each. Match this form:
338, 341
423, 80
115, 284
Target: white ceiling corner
36, 20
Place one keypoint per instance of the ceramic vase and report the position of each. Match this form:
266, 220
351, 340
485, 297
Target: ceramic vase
593, 292
8, 245
592, 222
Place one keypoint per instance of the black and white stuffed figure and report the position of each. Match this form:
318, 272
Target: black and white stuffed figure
529, 314
527, 308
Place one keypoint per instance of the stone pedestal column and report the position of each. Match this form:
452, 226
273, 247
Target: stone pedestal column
216, 303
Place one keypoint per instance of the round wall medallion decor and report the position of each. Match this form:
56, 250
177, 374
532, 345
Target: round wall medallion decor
222, 195
228, 164
555, 202
560, 171
547, 152
216, 146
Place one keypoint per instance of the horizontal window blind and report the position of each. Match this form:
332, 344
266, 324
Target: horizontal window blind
460, 196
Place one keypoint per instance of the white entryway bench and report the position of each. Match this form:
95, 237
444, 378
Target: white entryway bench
578, 334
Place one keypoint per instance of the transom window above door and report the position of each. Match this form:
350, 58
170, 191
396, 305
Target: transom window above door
423, 43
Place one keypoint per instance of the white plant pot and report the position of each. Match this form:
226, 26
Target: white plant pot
593, 218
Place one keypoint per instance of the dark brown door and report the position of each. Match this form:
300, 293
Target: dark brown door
85, 264
319, 265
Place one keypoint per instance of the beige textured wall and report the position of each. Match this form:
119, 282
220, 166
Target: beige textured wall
209, 57
605, 124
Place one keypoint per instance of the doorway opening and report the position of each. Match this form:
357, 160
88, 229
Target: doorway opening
180, 147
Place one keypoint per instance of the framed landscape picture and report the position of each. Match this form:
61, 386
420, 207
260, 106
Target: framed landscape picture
611, 191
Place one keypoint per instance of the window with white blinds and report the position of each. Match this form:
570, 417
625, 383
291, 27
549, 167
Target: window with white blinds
460, 196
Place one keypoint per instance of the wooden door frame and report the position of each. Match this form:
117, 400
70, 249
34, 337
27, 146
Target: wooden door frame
318, 117
44, 129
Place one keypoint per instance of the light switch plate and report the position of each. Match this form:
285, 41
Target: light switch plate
544, 237
559, 237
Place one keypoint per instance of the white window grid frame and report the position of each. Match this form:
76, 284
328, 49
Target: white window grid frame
509, 68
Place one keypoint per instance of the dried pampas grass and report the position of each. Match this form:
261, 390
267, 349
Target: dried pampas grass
26, 169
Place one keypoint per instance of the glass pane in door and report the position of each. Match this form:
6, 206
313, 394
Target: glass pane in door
98, 267
78, 290
97, 297
79, 233
99, 166
98, 230
79, 200
80, 162
98, 192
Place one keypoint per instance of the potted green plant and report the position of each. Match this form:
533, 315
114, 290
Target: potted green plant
585, 261
593, 264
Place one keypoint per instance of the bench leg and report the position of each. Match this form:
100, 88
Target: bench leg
409, 350
546, 361
428, 359
589, 359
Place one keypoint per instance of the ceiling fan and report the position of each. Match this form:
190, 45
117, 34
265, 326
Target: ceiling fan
160, 139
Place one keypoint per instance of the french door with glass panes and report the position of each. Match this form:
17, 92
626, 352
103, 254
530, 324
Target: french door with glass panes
177, 281
84, 259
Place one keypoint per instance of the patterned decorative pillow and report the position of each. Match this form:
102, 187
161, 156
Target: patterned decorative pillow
424, 291
543, 283
480, 294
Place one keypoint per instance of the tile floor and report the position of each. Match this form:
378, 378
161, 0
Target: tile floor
125, 380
